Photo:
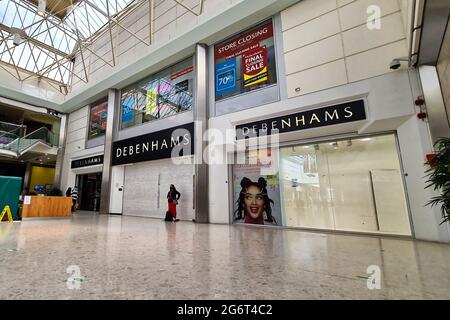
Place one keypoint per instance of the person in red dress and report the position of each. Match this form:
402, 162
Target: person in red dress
172, 197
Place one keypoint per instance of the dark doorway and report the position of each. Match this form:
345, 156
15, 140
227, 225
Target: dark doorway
89, 190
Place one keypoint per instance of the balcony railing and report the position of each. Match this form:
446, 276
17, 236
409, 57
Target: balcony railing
19, 144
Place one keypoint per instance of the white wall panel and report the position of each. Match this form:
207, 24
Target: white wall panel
361, 38
322, 77
314, 30
321, 52
75, 135
80, 113
355, 13
305, 10
314, 47
374, 62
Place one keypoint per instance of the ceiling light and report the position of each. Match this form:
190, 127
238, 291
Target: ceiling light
306, 147
17, 39
18, 35
41, 7
366, 139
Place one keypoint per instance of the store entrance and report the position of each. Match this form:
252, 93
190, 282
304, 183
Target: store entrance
89, 190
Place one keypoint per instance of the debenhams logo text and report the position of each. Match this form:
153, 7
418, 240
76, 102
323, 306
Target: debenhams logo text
332, 115
153, 145
298, 121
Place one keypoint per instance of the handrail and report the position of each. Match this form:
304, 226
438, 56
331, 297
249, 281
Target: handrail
19, 144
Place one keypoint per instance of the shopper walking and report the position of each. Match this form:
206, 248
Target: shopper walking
74, 199
172, 197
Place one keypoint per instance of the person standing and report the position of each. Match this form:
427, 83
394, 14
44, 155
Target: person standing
74, 198
172, 197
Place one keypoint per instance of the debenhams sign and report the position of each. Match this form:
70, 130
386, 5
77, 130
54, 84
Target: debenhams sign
86, 162
338, 114
163, 144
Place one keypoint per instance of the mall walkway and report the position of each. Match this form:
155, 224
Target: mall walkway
141, 258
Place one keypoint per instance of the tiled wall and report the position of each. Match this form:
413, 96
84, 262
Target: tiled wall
327, 42
443, 69
76, 144
76, 130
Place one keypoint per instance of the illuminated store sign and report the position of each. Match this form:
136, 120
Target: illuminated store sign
154, 146
338, 114
86, 162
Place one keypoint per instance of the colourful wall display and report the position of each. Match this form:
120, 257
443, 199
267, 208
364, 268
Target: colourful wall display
159, 96
97, 120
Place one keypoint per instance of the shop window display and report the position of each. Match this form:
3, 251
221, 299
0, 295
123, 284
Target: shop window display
159, 96
256, 193
245, 62
353, 184
97, 120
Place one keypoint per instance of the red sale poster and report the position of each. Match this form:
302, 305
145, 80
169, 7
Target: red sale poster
254, 66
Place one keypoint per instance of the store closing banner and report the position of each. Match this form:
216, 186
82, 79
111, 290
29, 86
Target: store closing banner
245, 62
332, 115
155, 146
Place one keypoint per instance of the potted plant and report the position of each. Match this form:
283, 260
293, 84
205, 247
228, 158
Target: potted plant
439, 177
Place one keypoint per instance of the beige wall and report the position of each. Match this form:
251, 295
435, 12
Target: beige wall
76, 145
443, 69
327, 43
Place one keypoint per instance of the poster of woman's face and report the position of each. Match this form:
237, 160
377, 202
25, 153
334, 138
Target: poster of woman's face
256, 197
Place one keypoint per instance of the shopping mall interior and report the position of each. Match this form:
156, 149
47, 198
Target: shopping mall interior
224, 150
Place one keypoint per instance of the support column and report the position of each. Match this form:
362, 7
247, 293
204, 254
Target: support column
111, 127
61, 151
27, 178
437, 115
201, 120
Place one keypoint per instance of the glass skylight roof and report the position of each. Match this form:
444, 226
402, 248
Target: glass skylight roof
47, 44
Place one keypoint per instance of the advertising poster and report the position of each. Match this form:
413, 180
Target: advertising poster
256, 196
226, 77
151, 101
254, 66
98, 120
245, 62
127, 108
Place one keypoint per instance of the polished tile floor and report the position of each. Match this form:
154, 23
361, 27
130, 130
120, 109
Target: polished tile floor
141, 258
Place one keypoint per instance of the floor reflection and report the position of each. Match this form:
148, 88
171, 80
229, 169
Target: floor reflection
141, 258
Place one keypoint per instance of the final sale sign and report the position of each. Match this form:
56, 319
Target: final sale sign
254, 66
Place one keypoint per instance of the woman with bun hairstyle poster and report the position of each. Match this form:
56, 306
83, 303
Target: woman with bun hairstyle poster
254, 205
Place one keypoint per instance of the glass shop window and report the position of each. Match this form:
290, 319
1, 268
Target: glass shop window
159, 96
352, 184
245, 62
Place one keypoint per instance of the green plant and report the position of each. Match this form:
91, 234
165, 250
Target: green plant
439, 177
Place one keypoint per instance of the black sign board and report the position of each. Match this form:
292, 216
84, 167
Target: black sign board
86, 162
337, 114
177, 141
